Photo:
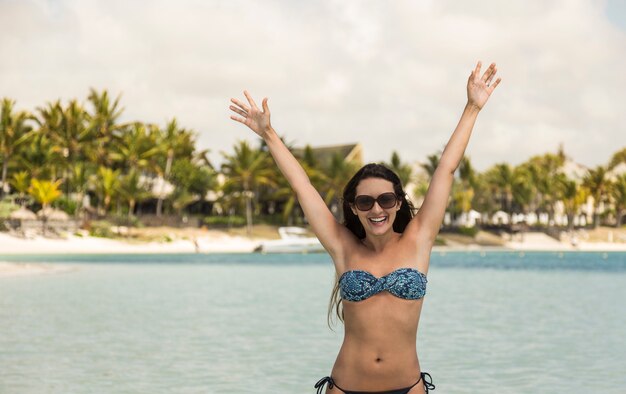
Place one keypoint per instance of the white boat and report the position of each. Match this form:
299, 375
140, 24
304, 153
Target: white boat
292, 240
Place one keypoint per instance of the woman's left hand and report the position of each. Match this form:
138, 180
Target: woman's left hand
479, 88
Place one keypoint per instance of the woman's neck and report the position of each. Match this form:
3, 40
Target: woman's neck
378, 243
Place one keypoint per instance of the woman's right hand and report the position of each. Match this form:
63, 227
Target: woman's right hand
252, 116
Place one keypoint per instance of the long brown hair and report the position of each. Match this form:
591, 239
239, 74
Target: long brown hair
352, 222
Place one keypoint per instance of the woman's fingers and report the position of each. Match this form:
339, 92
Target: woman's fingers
238, 119
493, 86
477, 69
238, 110
240, 104
493, 74
489, 72
250, 100
266, 109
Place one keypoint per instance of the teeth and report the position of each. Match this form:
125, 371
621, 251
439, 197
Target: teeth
377, 220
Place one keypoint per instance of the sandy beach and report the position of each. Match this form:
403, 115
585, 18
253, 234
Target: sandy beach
210, 243
215, 241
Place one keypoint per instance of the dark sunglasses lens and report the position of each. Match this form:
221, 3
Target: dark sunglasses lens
387, 200
364, 203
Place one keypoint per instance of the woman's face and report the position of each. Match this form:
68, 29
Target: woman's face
377, 220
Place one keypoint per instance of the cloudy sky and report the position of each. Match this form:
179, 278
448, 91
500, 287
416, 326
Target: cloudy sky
388, 74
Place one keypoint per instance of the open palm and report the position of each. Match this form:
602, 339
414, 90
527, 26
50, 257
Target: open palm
480, 88
257, 120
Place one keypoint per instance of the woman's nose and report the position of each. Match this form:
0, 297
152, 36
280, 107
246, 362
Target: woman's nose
376, 207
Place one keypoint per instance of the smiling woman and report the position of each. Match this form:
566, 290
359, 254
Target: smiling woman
381, 252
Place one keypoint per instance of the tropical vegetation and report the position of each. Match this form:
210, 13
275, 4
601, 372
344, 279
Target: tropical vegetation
81, 158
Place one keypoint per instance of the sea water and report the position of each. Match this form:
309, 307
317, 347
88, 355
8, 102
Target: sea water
495, 322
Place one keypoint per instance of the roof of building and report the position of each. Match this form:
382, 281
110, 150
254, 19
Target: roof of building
324, 154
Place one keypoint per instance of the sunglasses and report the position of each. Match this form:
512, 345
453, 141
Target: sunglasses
385, 200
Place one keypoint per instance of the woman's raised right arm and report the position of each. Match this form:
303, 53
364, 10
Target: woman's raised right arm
331, 233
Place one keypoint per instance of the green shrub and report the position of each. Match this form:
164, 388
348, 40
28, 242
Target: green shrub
469, 231
66, 204
124, 220
225, 221
101, 228
6, 207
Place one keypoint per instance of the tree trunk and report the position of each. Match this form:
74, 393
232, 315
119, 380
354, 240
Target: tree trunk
248, 213
131, 208
168, 167
5, 166
570, 221
618, 219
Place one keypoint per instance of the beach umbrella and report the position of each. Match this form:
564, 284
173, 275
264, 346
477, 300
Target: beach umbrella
53, 214
23, 214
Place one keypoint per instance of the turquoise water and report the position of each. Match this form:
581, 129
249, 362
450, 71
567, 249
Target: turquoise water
496, 322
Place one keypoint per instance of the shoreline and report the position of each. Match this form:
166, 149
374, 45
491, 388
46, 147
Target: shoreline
13, 269
220, 242
211, 243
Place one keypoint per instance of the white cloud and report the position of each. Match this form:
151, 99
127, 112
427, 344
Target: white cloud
388, 74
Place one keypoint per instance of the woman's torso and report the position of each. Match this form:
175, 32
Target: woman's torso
379, 348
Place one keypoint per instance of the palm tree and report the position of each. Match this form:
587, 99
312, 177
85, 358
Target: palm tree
40, 157
522, 188
132, 190
618, 192
80, 174
107, 186
464, 190
245, 170
135, 149
44, 192
572, 196
46, 155
180, 199
104, 126
597, 183
14, 131
431, 165
68, 130
500, 179
617, 158
174, 142
338, 173
545, 170
74, 134
462, 197
482, 201
20, 181
308, 157
192, 179
403, 170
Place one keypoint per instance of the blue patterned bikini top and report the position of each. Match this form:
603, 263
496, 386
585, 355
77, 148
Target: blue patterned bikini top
358, 285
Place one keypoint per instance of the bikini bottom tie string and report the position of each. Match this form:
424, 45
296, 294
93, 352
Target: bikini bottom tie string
428, 384
322, 382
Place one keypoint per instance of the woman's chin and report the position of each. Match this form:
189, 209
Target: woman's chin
379, 230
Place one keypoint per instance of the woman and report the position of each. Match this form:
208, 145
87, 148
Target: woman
381, 253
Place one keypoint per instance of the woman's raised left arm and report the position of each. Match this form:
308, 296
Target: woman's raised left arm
426, 223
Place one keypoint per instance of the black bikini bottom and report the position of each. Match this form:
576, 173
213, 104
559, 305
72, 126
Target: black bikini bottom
428, 385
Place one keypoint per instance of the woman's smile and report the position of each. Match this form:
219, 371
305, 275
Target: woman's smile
379, 220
